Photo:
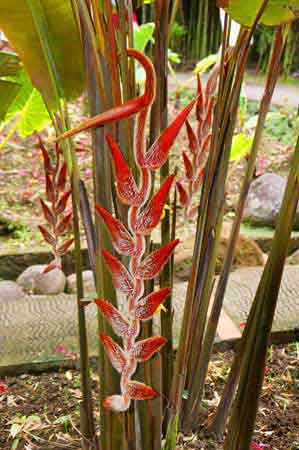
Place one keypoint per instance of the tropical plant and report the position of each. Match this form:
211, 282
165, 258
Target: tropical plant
55, 210
128, 211
199, 144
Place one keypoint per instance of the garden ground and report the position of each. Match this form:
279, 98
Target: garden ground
42, 411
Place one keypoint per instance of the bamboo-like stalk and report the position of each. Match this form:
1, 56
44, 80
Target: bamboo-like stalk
87, 422
96, 70
243, 416
159, 119
209, 217
273, 74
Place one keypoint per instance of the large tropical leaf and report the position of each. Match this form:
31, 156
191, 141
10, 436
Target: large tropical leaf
28, 108
38, 27
9, 64
277, 11
8, 92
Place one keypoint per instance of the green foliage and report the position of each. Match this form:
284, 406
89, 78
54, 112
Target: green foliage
44, 34
28, 108
143, 34
280, 124
277, 11
204, 64
240, 146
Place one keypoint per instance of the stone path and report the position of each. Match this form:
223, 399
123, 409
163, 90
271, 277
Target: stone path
284, 94
32, 328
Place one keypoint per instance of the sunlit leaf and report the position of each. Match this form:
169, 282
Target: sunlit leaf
277, 11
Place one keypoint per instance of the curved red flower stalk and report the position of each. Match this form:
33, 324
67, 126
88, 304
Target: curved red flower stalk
143, 216
199, 144
55, 211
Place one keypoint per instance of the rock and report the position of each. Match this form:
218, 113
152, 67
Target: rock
293, 259
88, 282
265, 199
34, 281
247, 254
10, 291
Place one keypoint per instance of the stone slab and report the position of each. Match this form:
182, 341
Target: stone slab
32, 328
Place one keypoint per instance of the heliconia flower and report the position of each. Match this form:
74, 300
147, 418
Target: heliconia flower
121, 238
144, 350
117, 403
140, 391
157, 155
183, 195
151, 215
147, 306
153, 263
127, 109
115, 353
193, 141
122, 280
126, 185
113, 317
188, 166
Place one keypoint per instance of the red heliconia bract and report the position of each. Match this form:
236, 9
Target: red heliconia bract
55, 211
144, 215
199, 144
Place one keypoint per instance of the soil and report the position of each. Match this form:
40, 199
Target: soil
48, 406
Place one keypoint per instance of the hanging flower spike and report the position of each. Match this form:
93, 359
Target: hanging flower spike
143, 217
150, 217
130, 107
55, 209
121, 238
199, 144
159, 151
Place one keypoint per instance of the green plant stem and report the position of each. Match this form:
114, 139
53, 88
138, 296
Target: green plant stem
273, 74
243, 416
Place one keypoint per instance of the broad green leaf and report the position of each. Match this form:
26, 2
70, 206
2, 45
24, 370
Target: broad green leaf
29, 107
63, 41
9, 64
8, 92
240, 147
205, 63
277, 11
143, 34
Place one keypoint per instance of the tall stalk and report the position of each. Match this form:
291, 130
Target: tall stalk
243, 416
218, 422
97, 78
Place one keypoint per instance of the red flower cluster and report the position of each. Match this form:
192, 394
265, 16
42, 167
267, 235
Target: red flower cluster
55, 211
143, 216
199, 144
